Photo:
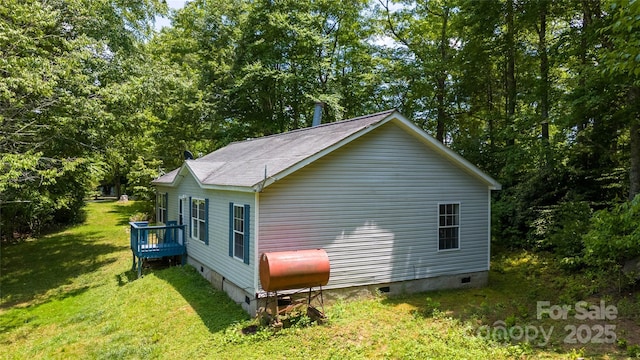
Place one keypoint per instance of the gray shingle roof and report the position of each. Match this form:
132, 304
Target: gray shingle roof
243, 164
252, 164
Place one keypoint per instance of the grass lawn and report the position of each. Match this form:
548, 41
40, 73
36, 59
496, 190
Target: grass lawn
71, 294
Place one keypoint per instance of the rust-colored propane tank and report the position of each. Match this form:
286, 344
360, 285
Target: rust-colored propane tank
294, 269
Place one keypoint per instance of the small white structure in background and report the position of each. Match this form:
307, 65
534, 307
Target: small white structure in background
395, 210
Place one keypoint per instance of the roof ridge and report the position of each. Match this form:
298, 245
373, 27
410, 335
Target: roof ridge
390, 111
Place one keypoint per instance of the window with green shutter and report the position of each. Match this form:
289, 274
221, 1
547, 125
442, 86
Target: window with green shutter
239, 228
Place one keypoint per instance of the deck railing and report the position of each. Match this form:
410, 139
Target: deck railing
156, 241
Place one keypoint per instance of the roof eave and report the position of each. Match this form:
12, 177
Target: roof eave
186, 167
173, 183
228, 187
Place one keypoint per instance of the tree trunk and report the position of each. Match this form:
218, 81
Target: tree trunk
544, 73
587, 20
442, 114
441, 78
634, 172
117, 185
510, 82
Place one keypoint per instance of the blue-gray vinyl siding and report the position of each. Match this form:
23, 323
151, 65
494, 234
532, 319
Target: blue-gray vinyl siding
215, 254
373, 206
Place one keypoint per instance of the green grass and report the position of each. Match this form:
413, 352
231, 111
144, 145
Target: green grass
71, 294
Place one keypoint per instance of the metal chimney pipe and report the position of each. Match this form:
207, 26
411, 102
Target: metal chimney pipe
317, 113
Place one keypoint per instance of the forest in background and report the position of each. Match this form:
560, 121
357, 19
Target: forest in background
542, 95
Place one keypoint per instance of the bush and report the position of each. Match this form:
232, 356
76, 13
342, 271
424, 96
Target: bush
614, 235
568, 223
45, 194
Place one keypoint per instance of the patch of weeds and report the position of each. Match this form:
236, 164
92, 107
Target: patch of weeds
533, 293
576, 354
629, 308
337, 310
432, 308
482, 312
633, 351
522, 311
499, 332
126, 277
249, 332
510, 320
519, 350
572, 293
438, 314
246, 332
296, 319
140, 216
622, 343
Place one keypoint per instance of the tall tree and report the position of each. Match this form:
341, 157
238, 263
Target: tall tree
544, 69
423, 30
622, 59
58, 57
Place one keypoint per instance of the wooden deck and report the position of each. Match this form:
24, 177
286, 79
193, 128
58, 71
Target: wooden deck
153, 242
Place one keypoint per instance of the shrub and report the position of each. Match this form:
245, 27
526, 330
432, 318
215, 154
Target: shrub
614, 235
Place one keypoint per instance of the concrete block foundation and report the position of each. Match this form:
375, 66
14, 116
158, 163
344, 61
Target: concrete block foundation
252, 302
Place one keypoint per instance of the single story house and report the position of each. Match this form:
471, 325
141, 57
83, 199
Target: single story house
393, 208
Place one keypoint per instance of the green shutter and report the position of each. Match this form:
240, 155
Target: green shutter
189, 221
231, 229
206, 221
247, 232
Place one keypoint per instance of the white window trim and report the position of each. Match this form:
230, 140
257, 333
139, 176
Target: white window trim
182, 200
191, 219
459, 226
241, 259
161, 199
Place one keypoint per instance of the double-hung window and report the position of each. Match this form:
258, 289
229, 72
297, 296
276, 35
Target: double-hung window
199, 219
238, 232
448, 226
161, 208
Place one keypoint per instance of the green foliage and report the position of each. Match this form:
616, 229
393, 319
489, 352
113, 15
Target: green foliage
561, 229
38, 192
432, 307
63, 99
624, 32
140, 176
614, 236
